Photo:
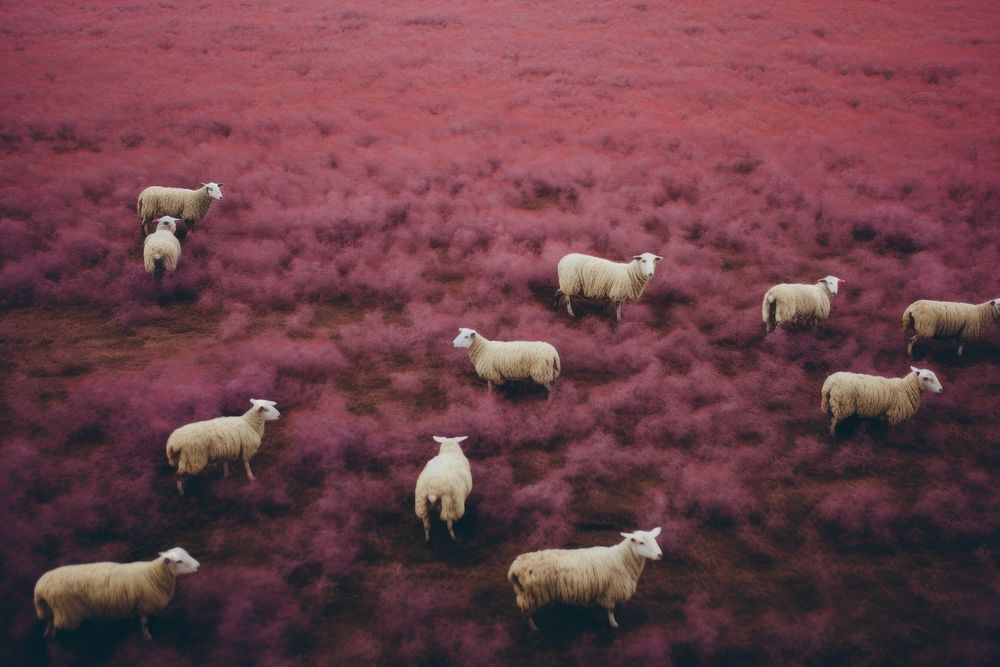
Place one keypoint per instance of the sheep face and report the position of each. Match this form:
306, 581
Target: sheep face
464, 338
928, 380
832, 283
643, 543
266, 408
647, 263
180, 561
167, 223
996, 307
214, 190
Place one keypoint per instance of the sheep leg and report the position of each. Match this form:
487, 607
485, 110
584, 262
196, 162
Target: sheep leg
569, 307
451, 531
427, 529
143, 621
180, 484
531, 624
611, 617
489, 387
246, 464
961, 346
618, 312
50, 630
909, 346
225, 468
833, 426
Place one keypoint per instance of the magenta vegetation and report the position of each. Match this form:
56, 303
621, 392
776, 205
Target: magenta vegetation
396, 170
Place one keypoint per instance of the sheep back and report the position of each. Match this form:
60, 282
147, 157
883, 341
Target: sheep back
161, 245
72, 593
793, 302
948, 319
156, 201
594, 575
598, 278
449, 477
193, 446
498, 361
892, 399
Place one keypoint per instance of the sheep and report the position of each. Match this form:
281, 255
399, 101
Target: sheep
68, 595
444, 484
597, 575
601, 279
498, 361
161, 250
893, 400
188, 205
788, 303
949, 320
192, 447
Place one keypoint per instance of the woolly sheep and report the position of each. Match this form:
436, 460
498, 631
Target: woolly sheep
601, 279
797, 303
891, 399
161, 250
188, 205
444, 484
68, 595
597, 575
949, 320
223, 439
498, 361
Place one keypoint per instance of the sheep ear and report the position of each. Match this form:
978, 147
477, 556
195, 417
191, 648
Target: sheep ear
915, 370
658, 258
626, 534
636, 257
655, 532
439, 438
166, 560
460, 439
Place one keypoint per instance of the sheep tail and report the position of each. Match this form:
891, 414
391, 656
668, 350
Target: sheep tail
170, 458
516, 583
431, 499
556, 366
42, 608
824, 405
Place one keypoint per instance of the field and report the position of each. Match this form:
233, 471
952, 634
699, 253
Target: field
396, 170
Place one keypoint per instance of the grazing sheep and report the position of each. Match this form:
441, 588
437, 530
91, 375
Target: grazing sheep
68, 595
498, 361
193, 446
188, 205
796, 303
444, 484
597, 575
601, 279
161, 250
893, 400
949, 320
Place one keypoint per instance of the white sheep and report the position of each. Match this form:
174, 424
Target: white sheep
893, 400
188, 205
949, 320
161, 250
68, 595
597, 575
601, 279
191, 448
444, 484
499, 361
788, 303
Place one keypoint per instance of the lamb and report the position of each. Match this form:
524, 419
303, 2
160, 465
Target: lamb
499, 361
68, 595
601, 279
444, 484
161, 250
597, 575
893, 400
789, 303
188, 205
192, 447
949, 320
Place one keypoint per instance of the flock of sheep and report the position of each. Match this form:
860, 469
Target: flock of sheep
603, 576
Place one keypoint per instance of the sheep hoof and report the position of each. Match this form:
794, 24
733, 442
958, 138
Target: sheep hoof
531, 624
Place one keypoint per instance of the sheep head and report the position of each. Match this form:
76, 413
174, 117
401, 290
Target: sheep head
214, 189
928, 380
464, 338
832, 283
643, 543
179, 561
266, 408
647, 263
